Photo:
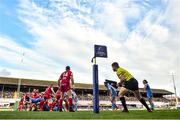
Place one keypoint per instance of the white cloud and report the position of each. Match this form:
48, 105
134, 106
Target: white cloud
149, 51
33, 62
5, 72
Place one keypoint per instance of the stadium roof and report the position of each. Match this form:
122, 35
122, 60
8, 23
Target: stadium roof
44, 83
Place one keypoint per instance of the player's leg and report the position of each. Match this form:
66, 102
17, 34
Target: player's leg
75, 106
111, 99
61, 101
25, 105
35, 107
114, 94
29, 106
33, 100
39, 100
70, 101
122, 92
55, 108
113, 103
141, 99
41, 105
46, 107
151, 103
66, 105
50, 105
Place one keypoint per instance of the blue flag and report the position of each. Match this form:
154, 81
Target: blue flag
100, 51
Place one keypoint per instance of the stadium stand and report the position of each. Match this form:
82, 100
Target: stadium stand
8, 90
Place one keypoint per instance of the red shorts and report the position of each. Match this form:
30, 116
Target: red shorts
65, 87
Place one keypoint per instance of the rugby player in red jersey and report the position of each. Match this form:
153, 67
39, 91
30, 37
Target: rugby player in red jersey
66, 83
48, 92
47, 98
20, 106
35, 99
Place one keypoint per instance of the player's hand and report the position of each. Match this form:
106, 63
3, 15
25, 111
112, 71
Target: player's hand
73, 86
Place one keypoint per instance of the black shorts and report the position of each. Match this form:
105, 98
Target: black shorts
132, 84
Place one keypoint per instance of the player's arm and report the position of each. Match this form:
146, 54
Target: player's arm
145, 86
53, 91
59, 80
122, 78
72, 81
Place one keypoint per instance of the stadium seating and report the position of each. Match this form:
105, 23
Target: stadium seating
10, 94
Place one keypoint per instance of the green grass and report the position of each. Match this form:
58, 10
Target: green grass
134, 114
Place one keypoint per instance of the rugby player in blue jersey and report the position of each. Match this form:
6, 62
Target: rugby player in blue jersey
112, 94
148, 93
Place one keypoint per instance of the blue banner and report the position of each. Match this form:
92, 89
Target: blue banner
100, 51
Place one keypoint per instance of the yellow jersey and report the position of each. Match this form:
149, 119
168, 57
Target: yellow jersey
121, 71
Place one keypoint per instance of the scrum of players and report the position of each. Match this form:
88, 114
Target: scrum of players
50, 100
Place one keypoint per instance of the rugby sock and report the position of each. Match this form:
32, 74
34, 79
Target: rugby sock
70, 101
113, 105
123, 101
144, 103
50, 106
70, 105
152, 106
66, 104
60, 104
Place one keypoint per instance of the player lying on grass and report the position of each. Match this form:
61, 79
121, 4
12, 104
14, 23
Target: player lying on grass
149, 93
111, 87
127, 82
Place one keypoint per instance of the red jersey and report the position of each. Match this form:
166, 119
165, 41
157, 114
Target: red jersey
34, 95
48, 90
66, 76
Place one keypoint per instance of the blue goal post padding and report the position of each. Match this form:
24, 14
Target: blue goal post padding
95, 89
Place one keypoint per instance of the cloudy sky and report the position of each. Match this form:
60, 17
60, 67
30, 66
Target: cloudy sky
38, 38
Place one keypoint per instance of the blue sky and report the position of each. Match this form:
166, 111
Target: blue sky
11, 25
142, 35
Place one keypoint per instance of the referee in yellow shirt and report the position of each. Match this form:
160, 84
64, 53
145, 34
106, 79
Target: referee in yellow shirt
127, 82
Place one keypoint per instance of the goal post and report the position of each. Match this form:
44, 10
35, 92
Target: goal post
99, 51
